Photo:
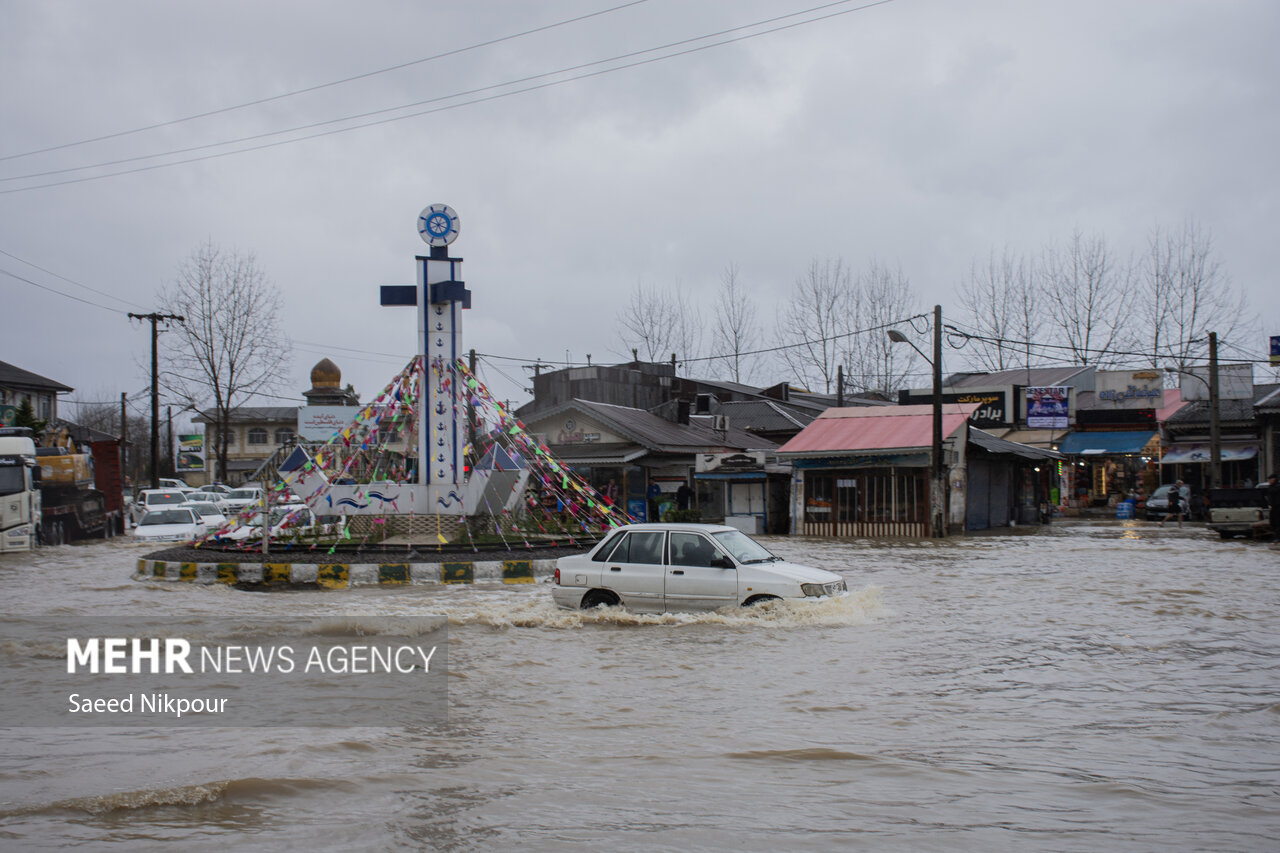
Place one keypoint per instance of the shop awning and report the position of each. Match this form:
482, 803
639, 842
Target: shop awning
1201, 452
596, 454
1104, 443
991, 444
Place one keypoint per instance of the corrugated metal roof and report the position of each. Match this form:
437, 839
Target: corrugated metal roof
763, 415
991, 444
1034, 376
251, 414
876, 428
657, 433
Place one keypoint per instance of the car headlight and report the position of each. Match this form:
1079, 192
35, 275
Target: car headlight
820, 589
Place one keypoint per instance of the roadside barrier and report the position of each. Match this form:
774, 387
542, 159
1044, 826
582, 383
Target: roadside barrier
345, 575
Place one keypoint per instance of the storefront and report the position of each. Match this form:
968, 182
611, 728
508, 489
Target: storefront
1105, 467
879, 500
1191, 460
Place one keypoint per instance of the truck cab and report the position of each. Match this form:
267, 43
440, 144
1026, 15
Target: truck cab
20, 503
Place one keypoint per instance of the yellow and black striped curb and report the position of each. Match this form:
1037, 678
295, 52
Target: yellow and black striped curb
346, 575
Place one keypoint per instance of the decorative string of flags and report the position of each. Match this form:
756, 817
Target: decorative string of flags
380, 445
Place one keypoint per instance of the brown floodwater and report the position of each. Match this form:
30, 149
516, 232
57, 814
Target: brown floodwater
1096, 685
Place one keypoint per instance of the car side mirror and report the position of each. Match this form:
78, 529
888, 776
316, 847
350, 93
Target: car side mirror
721, 562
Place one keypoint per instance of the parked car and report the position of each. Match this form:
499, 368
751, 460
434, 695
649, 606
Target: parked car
1158, 504
664, 567
286, 522
171, 524
171, 483
1235, 512
149, 499
238, 499
215, 488
212, 515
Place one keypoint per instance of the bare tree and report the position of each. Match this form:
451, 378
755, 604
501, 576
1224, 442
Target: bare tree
813, 322
660, 323
1003, 302
231, 346
1088, 293
1185, 295
105, 417
882, 297
735, 333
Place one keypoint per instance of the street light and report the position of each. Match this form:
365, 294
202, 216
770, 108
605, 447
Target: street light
937, 521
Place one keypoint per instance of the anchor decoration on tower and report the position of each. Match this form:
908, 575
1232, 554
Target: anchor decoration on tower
440, 297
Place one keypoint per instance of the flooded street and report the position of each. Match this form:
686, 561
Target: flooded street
1094, 686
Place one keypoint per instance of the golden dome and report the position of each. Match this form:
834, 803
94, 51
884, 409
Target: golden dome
326, 375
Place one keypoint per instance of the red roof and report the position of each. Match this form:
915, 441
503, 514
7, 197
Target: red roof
876, 428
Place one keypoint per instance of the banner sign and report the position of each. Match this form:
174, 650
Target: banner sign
1047, 406
190, 453
992, 411
319, 423
1235, 382
8, 415
1275, 349
1130, 389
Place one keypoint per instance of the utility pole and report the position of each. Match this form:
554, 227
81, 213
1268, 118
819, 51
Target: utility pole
124, 436
939, 519
155, 318
168, 414
839, 386
1215, 425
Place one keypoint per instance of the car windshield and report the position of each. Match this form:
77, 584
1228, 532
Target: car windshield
168, 516
206, 509
160, 499
743, 548
251, 494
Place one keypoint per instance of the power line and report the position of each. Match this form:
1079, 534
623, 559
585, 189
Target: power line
320, 86
68, 280
59, 292
1075, 350
439, 109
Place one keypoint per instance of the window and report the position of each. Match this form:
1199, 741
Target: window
257, 435
284, 436
690, 549
603, 553
640, 548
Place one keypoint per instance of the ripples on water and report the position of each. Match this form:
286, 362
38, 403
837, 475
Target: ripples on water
1094, 686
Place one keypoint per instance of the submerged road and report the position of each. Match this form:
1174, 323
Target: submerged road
1096, 685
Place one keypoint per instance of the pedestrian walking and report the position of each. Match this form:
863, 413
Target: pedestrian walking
1177, 505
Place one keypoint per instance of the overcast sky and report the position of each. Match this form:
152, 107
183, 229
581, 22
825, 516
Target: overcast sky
921, 133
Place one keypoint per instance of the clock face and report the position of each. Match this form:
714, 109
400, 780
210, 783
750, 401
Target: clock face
438, 224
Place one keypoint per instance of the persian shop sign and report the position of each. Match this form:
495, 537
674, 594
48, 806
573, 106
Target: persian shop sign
1129, 389
319, 423
992, 405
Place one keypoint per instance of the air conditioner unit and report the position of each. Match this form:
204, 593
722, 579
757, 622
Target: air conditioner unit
720, 423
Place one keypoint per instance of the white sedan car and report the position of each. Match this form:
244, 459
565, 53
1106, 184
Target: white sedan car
212, 515
661, 567
173, 524
289, 521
